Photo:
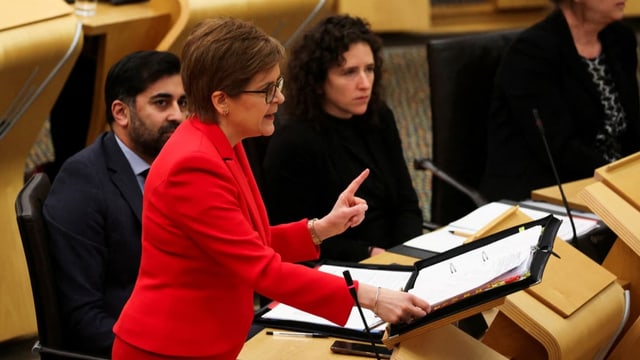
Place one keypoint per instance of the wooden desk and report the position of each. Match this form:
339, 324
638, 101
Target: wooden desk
447, 342
571, 189
117, 30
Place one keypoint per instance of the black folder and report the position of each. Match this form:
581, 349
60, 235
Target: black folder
538, 260
540, 256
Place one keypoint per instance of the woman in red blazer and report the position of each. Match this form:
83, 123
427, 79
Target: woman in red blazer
207, 245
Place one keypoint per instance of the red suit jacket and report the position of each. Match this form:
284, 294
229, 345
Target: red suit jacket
207, 246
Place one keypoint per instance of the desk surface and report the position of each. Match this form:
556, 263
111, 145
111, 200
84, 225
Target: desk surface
265, 347
571, 189
108, 15
447, 342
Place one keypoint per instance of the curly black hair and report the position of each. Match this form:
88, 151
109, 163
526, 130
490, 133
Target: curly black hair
320, 49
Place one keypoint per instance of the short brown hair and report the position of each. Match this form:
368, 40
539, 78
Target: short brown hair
224, 54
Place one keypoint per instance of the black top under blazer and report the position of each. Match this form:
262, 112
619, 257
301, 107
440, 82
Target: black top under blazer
542, 70
309, 163
93, 213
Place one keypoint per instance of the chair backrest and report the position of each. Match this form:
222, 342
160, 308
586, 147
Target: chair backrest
461, 73
35, 242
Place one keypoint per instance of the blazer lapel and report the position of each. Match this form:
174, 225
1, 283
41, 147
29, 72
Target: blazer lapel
121, 174
237, 163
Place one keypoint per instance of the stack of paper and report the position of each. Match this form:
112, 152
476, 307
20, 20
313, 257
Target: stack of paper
457, 232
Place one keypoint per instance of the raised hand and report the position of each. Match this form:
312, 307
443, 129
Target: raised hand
348, 211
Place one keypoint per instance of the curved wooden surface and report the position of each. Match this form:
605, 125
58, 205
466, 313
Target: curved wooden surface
117, 30
282, 19
580, 336
165, 24
35, 60
615, 199
573, 314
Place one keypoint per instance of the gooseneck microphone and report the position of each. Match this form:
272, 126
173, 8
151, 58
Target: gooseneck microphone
536, 117
427, 164
354, 295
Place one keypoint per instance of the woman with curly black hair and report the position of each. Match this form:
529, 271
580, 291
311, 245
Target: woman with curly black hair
336, 125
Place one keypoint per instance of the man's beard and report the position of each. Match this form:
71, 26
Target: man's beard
146, 141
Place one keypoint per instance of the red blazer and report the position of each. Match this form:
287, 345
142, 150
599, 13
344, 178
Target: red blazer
207, 246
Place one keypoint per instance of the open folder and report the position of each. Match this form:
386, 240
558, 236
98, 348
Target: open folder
453, 282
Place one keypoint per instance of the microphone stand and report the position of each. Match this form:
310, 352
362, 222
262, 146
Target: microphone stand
540, 127
354, 295
427, 164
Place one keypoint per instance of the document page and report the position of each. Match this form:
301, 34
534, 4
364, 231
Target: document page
388, 279
457, 232
583, 225
480, 217
438, 241
477, 270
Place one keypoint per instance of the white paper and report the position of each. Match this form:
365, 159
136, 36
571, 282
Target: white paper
565, 232
473, 269
480, 217
437, 241
443, 239
388, 279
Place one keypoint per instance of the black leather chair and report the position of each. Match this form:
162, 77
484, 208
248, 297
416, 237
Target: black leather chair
35, 241
461, 73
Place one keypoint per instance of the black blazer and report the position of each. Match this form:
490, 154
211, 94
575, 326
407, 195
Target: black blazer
542, 70
306, 167
93, 214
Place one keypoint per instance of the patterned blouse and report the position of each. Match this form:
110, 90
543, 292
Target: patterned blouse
615, 121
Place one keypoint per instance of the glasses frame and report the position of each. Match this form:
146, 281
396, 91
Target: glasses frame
270, 91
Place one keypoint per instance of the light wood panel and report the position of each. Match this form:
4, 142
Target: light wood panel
520, 4
615, 199
551, 194
390, 16
419, 16
115, 31
577, 299
36, 56
282, 19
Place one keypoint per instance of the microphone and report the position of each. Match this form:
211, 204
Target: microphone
427, 164
536, 117
354, 295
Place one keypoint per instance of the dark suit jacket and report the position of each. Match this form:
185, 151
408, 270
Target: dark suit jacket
93, 213
306, 167
542, 70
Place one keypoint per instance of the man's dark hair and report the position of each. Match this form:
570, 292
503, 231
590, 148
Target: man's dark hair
134, 73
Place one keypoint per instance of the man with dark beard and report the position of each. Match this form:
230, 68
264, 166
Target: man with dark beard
93, 210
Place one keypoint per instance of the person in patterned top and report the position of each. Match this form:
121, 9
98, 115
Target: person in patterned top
577, 68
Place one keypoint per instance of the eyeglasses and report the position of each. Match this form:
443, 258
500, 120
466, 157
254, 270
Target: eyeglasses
270, 91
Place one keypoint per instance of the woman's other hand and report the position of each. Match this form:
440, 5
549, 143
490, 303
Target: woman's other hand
392, 306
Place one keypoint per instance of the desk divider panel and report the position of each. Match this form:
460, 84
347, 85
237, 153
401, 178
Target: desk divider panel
40, 41
616, 199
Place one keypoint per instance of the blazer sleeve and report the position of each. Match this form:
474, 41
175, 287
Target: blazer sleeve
202, 189
74, 211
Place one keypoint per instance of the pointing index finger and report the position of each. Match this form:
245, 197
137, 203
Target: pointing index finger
355, 184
